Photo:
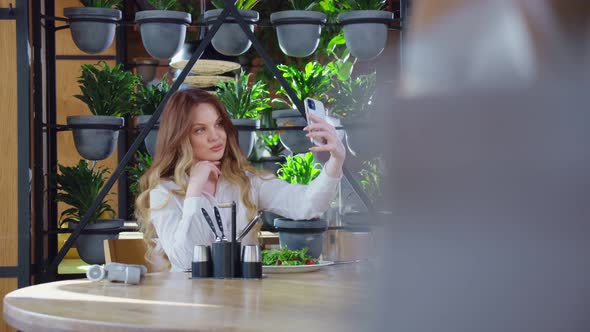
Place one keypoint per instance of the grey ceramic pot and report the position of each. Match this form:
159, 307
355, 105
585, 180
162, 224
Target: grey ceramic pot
146, 69
294, 140
151, 139
162, 31
230, 39
91, 246
365, 41
92, 37
299, 234
95, 144
298, 40
246, 137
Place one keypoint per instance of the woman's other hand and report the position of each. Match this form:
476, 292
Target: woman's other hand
200, 173
320, 129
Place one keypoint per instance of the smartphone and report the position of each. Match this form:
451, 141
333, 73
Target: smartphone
316, 108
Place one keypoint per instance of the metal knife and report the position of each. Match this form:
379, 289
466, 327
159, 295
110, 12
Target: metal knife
219, 223
210, 222
248, 227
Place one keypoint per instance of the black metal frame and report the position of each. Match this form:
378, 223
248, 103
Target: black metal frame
125, 157
22, 270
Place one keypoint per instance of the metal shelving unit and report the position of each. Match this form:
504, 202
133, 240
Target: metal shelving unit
46, 128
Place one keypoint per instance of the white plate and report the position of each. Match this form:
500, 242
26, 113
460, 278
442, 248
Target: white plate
294, 268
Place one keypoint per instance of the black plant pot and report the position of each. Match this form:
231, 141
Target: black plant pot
91, 246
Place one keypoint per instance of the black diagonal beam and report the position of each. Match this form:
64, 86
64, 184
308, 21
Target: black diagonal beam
273, 68
138, 141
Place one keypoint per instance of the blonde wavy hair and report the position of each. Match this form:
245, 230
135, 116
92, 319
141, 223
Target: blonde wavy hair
174, 157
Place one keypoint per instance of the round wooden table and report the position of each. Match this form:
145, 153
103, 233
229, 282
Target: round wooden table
325, 300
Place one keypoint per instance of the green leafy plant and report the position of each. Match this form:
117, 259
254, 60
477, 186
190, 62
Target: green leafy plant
313, 81
241, 100
143, 161
303, 4
102, 3
372, 177
106, 90
299, 169
272, 143
284, 256
332, 8
354, 96
78, 186
366, 4
163, 4
147, 99
240, 4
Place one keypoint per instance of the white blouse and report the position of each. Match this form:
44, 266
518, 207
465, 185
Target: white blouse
180, 224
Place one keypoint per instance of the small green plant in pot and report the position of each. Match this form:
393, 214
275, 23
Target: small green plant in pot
142, 162
244, 102
89, 35
299, 234
162, 29
148, 98
109, 94
78, 186
313, 81
365, 40
299, 40
230, 39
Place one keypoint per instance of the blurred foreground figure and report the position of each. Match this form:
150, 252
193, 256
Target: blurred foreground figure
460, 44
489, 167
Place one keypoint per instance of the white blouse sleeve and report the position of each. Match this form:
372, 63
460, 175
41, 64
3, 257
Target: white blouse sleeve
173, 225
295, 201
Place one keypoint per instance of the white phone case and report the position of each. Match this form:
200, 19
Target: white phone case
316, 108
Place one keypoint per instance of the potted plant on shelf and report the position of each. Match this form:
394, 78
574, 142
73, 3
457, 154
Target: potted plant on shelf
313, 81
230, 39
108, 93
162, 30
93, 26
269, 151
299, 234
296, 39
142, 162
147, 100
365, 40
353, 102
244, 103
78, 186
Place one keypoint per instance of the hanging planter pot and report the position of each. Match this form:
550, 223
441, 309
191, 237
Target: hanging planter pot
300, 234
146, 69
297, 39
294, 140
162, 31
246, 134
95, 136
151, 139
230, 40
92, 29
365, 32
90, 246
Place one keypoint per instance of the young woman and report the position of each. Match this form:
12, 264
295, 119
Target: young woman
199, 164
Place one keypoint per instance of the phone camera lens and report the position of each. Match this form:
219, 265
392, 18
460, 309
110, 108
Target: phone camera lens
311, 104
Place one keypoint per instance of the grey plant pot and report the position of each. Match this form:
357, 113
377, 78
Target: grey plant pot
365, 41
146, 69
95, 144
162, 39
230, 39
151, 139
360, 137
92, 37
246, 137
90, 246
294, 140
298, 40
299, 234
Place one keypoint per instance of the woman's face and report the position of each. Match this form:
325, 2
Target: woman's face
207, 135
